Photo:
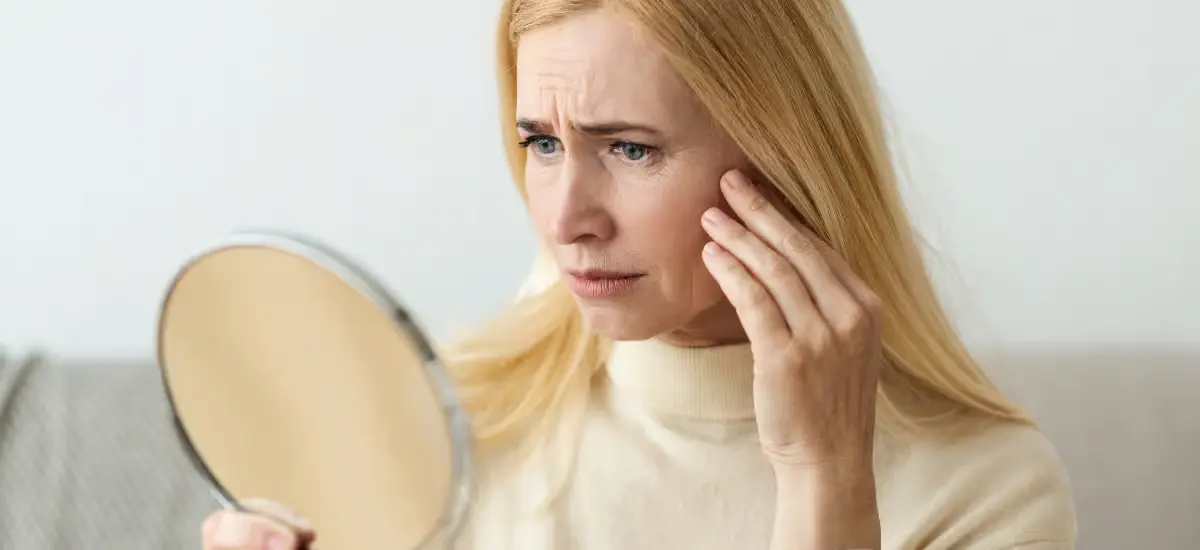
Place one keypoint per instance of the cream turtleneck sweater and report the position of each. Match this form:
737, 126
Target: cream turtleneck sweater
668, 458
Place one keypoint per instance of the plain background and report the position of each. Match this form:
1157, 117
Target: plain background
1049, 146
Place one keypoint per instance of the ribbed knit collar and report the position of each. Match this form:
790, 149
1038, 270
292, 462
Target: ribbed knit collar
710, 383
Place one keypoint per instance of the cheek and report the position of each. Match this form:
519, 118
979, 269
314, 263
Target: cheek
683, 278
670, 232
539, 198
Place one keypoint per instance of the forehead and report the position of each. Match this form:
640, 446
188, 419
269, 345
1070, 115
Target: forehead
596, 66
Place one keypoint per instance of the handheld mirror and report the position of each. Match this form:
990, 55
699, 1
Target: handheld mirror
295, 377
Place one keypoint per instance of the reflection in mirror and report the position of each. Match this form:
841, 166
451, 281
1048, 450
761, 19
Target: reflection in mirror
295, 378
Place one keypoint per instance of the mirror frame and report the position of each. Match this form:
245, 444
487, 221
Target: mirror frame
457, 422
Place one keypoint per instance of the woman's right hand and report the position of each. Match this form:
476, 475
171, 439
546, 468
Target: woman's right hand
266, 526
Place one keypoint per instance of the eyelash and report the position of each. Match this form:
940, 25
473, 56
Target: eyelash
651, 151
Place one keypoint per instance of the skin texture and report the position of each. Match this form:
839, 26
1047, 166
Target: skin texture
720, 265
628, 200
815, 334
267, 526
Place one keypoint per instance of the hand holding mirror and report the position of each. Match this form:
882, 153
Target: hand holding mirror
295, 377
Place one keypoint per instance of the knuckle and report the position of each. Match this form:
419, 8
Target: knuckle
755, 296
797, 242
873, 305
796, 352
778, 266
820, 341
851, 322
758, 204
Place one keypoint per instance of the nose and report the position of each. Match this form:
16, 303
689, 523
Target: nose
581, 215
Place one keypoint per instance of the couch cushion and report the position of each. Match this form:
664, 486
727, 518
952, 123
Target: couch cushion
1124, 422
88, 459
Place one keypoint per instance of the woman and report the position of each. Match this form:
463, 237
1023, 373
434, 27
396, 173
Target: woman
712, 187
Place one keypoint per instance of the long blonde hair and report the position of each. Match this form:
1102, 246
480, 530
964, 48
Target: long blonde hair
788, 80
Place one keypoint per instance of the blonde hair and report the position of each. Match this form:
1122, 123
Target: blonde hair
788, 80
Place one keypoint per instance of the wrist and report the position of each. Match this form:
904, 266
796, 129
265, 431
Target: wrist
826, 507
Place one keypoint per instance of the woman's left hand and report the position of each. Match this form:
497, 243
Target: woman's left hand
814, 329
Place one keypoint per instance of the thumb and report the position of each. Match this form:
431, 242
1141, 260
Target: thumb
285, 516
232, 529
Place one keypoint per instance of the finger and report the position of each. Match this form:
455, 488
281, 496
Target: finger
833, 300
862, 292
278, 512
209, 527
755, 307
773, 270
231, 530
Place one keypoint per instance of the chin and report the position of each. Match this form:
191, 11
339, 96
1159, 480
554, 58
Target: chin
622, 323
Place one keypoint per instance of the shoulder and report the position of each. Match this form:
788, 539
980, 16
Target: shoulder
986, 484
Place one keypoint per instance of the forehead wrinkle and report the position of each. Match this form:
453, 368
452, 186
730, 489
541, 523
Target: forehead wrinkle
586, 83
565, 82
566, 101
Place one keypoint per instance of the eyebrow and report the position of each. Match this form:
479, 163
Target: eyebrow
606, 128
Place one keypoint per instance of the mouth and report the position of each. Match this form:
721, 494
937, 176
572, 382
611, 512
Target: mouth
598, 284
598, 274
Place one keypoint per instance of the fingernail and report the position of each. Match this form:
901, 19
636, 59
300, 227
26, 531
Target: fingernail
712, 249
732, 180
715, 216
276, 541
231, 530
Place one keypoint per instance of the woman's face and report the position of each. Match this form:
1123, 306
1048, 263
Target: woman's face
622, 161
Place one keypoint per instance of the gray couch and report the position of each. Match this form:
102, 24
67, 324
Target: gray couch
87, 459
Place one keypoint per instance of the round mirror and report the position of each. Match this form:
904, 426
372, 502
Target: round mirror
295, 377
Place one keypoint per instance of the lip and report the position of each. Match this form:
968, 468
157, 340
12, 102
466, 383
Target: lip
597, 284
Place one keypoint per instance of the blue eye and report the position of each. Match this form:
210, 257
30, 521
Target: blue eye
543, 145
633, 151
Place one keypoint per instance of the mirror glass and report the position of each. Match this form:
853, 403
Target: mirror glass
295, 377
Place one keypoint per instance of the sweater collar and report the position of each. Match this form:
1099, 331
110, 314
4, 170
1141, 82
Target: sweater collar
709, 383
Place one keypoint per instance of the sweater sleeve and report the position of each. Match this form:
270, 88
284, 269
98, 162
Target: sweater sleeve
1004, 488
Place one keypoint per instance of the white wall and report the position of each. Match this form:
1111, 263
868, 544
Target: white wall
1048, 144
